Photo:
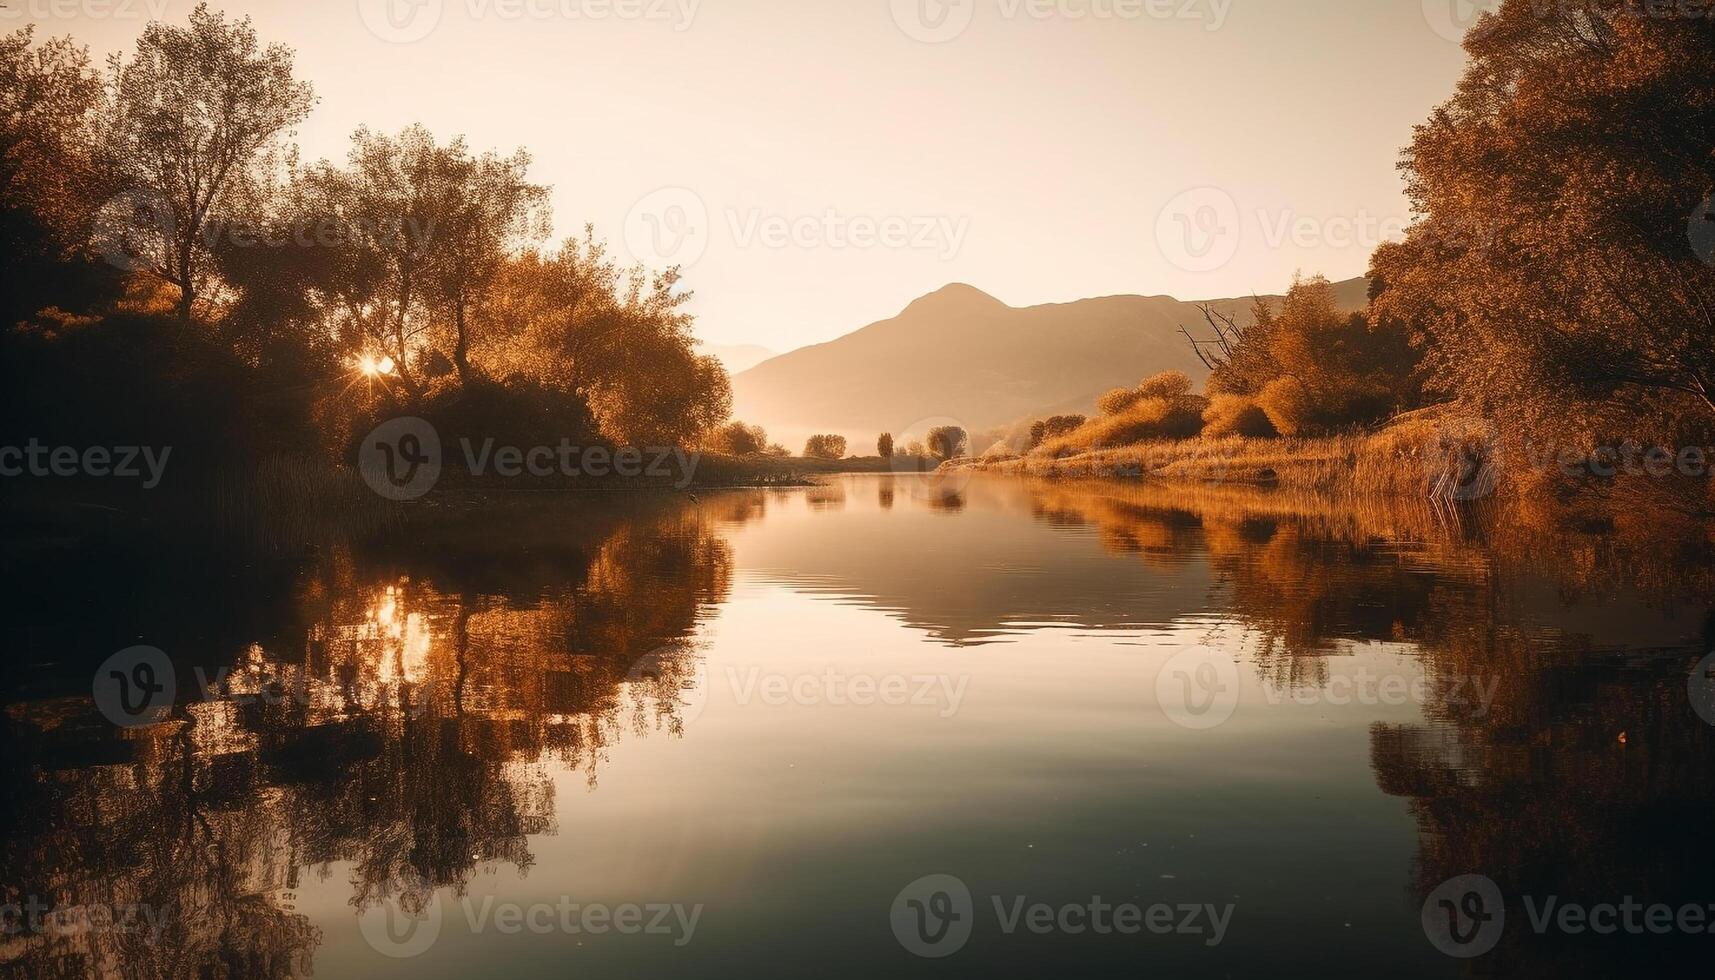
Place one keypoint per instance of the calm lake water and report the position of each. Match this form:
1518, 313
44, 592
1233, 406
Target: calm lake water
1219, 735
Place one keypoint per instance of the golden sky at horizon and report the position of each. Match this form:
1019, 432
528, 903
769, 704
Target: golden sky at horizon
817, 165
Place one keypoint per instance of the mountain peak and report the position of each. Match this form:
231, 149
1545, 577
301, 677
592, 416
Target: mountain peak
954, 297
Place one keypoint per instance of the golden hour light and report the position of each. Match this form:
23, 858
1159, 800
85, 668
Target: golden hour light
862, 488
374, 367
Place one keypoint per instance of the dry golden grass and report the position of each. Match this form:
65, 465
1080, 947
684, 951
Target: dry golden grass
1144, 418
1421, 455
1427, 457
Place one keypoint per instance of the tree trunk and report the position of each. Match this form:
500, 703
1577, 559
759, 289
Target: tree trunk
461, 348
187, 291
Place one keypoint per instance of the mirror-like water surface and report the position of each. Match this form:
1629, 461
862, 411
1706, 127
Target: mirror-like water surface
641, 736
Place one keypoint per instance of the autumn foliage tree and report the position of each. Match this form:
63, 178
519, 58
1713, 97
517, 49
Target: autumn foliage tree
53, 172
825, 447
1555, 272
735, 438
321, 297
946, 442
1306, 366
188, 117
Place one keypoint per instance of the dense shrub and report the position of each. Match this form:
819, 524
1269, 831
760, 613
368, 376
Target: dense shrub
825, 447
1053, 427
1288, 405
519, 412
1161, 407
1118, 401
1311, 367
1170, 385
140, 380
738, 439
947, 442
1236, 415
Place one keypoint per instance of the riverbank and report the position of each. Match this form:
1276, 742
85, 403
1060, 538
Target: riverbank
1418, 456
1421, 456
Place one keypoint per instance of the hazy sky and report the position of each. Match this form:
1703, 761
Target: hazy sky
817, 164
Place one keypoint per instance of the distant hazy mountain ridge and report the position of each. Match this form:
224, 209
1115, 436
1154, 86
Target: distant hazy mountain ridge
959, 353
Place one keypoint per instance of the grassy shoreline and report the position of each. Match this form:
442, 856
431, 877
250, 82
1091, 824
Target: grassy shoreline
1413, 458
1422, 457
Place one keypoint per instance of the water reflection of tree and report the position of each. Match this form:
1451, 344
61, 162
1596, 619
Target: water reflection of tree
1589, 777
408, 728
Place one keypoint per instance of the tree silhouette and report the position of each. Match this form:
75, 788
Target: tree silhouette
189, 115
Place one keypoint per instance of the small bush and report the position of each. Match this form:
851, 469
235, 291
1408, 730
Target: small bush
1236, 415
516, 412
1052, 428
1170, 385
1287, 406
1118, 401
737, 439
1149, 418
